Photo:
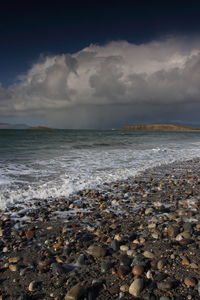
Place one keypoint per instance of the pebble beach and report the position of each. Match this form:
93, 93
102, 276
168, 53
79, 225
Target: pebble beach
132, 239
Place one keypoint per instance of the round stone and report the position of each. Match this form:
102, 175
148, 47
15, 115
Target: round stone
138, 270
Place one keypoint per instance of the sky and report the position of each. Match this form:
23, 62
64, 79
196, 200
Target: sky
99, 64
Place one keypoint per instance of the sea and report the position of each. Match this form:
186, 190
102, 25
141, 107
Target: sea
50, 164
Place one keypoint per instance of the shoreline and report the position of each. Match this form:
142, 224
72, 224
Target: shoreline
144, 230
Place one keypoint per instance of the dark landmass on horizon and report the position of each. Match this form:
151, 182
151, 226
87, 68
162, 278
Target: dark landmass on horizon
41, 128
160, 127
23, 126
150, 127
13, 126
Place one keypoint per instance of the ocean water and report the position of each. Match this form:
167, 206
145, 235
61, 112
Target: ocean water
49, 164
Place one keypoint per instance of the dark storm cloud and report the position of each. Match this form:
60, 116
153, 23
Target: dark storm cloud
102, 84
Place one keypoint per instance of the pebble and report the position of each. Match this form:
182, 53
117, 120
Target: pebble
105, 266
149, 275
172, 231
57, 269
122, 271
32, 286
115, 245
124, 288
80, 260
148, 254
75, 292
131, 253
165, 285
185, 261
13, 268
161, 264
194, 266
198, 287
138, 270
13, 259
30, 234
148, 211
186, 234
96, 251
136, 287
124, 248
190, 281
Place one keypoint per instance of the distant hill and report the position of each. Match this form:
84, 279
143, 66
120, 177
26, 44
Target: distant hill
22, 126
13, 126
160, 127
41, 128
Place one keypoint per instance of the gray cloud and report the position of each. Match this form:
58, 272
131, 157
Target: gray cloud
108, 85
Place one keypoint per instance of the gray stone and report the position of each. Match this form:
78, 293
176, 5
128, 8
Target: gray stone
165, 285
115, 245
80, 260
96, 251
57, 269
136, 287
187, 226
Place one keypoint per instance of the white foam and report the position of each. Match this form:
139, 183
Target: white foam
80, 169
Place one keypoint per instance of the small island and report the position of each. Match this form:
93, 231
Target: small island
41, 128
160, 127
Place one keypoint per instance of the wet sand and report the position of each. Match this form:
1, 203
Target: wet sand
133, 239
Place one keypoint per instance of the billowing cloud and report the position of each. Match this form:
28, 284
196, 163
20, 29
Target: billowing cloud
102, 85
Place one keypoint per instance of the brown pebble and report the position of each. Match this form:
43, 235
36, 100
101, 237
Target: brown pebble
122, 271
190, 281
185, 261
30, 234
161, 263
13, 259
138, 270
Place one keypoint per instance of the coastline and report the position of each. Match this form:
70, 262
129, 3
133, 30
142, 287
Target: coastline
150, 221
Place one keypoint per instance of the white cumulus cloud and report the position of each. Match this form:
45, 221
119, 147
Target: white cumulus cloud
102, 85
